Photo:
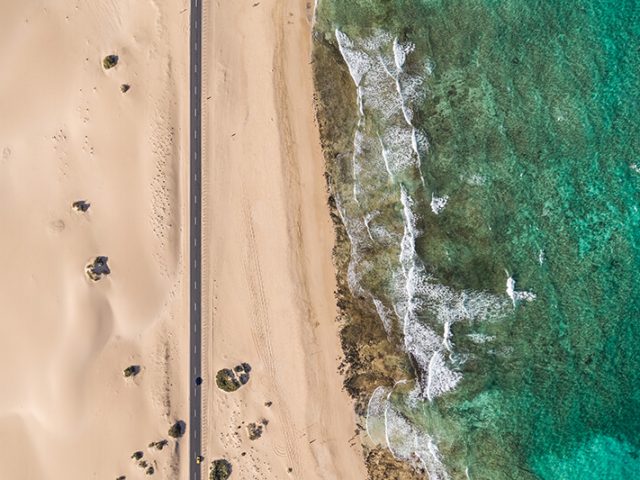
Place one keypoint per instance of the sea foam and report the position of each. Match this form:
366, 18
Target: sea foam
380, 213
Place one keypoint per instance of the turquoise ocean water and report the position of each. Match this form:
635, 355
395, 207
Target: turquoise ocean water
491, 197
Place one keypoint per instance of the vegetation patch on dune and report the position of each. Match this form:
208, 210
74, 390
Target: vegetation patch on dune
109, 61
97, 268
159, 445
227, 381
230, 380
177, 429
254, 430
131, 371
81, 206
220, 470
137, 455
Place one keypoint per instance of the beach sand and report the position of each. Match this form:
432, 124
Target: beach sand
68, 133
268, 241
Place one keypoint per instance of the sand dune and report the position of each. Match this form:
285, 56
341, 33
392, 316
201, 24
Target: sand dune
68, 133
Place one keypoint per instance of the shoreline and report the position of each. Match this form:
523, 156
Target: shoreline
271, 277
371, 358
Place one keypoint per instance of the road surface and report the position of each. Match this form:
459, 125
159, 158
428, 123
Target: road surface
195, 257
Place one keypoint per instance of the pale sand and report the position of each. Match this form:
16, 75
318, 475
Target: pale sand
270, 276
67, 133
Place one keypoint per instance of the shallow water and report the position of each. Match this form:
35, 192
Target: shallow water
491, 197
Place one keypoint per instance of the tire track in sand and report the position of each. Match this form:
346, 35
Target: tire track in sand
261, 335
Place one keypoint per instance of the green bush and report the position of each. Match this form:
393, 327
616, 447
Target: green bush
131, 371
177, 429
110, 61
220, 470
227, 381
137, 455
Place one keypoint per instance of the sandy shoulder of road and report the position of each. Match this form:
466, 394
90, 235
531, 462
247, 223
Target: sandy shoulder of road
68, 133
269, 291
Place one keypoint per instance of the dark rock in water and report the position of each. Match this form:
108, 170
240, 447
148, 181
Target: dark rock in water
246, 367
81, 206
177, 429
220, 470
244, 378
254, 430
125, 87
226, 380
109, 61
96, 269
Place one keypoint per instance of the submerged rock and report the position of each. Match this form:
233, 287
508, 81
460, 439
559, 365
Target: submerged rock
97, 268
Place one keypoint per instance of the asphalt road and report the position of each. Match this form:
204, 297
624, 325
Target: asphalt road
195, 256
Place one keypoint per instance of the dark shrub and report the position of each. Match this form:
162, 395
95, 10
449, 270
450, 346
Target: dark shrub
227, 381
177, 429
131, 371
137, 455
110, 61
220, 470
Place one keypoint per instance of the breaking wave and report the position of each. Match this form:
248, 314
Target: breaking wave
379, 208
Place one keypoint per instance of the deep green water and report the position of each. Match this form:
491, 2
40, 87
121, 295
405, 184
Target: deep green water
529, 112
